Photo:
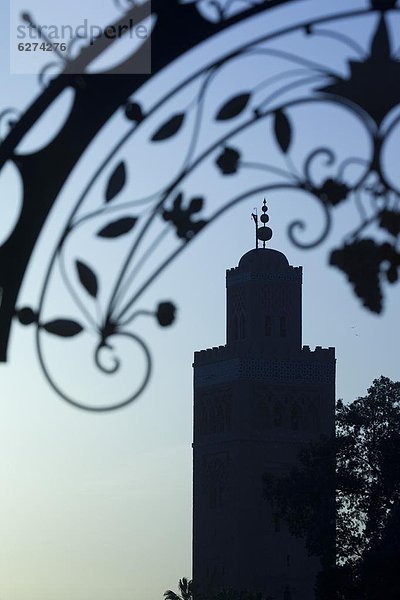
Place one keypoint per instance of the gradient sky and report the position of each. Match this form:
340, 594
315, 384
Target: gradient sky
98, 506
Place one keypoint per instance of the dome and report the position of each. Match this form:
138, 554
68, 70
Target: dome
264, 260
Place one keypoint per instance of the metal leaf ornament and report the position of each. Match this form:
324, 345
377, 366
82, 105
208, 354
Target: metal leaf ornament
283, 130
62, 327
116, 182
87, 278
233, 108
117, 228
373, 84
169, 129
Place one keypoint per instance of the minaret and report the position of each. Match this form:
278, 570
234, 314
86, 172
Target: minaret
264, 300
257, 401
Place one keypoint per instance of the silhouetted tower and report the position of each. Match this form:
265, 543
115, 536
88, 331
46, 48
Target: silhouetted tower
257, 401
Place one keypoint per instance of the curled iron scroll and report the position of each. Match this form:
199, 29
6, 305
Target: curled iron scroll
109, 213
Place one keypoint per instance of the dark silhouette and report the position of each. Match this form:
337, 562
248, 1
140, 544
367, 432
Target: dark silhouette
186, 592
367, 482
258, 401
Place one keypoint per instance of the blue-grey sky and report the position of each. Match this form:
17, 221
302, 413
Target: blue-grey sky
99, 506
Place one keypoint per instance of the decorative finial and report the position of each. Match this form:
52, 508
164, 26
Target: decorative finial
263, 233
255, 219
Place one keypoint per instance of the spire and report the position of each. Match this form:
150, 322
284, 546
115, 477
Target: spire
263, 233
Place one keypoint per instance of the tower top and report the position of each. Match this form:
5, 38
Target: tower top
263, 233
264, 260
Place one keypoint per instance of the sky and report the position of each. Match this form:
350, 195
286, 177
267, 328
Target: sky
98, 506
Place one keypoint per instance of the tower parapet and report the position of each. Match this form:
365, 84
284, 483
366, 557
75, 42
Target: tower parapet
220, 353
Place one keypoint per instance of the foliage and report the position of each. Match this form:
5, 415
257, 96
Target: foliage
186, 592
366, 489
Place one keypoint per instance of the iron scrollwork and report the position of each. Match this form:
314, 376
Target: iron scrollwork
212, 135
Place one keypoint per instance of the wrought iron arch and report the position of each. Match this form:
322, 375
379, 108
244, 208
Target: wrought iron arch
367, 93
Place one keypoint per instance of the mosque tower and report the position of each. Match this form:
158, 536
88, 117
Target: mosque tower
257, 401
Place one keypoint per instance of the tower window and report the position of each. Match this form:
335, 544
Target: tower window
268, 326
282, 327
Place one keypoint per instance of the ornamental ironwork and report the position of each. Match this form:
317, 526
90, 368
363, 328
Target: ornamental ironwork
206, 120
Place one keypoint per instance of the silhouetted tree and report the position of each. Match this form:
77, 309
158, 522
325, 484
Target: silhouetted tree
185, 591
366, 489
229, 594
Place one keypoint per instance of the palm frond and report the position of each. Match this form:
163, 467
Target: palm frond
170, 595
